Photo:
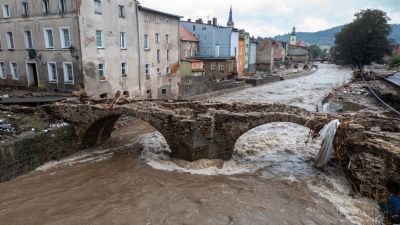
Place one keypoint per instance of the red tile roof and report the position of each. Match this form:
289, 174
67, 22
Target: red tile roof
185, 35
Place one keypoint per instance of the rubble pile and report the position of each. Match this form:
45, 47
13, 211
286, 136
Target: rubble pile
368, 150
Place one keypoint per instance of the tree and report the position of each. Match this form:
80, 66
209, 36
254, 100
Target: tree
365, 40
315, 51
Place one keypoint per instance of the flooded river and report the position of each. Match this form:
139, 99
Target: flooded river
132, 179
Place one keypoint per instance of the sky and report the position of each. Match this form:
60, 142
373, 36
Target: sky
268, 18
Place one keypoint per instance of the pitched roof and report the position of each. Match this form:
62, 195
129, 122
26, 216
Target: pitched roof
158, 12
185, 34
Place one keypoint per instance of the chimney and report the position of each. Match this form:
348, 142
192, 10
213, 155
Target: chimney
189, 20
200, 21
215, 21
209, 22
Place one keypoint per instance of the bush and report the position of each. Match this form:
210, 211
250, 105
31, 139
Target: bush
394, 61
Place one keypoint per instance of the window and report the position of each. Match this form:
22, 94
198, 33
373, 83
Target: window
68, 73
157, 38
97, 6
62, 6
122, 37
65, 40
213, 66
167, 70
46, 6
6, 11
48, 38
124, 69
158, 71
2, 70
216, 50
147, 69
99, 39
28, 39
163, 91
168, 55
10, 40
14, 70
102, 71
52, 71
194, 27
221, 66
146, 42
158, 56
167, 39
204, 28
146, 18
121, 11
157, 19
25, 8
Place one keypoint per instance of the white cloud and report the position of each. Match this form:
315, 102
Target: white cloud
271, 17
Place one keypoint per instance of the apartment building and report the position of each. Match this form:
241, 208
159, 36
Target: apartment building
159, 53
97, 46
35, 45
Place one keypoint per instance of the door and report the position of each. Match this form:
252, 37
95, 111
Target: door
33, 79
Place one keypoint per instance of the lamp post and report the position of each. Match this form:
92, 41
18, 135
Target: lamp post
74, 52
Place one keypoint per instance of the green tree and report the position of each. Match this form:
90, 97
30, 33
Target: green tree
315, 52
365, 40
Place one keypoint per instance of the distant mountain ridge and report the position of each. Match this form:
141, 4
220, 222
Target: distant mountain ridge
327, 37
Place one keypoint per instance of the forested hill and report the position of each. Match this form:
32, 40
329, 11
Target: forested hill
327, 37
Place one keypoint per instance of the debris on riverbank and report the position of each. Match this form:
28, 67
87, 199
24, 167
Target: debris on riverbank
356, 96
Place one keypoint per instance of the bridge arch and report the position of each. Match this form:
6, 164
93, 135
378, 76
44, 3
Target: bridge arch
233, 128
101, 129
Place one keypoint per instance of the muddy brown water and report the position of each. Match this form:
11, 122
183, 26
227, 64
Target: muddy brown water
125, 190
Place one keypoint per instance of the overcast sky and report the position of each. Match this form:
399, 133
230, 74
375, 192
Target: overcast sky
273, 17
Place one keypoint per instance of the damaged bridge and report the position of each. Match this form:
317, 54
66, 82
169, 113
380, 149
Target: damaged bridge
367, 146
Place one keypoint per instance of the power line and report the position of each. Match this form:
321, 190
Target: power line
373, 92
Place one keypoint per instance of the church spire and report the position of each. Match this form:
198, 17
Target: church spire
230, 21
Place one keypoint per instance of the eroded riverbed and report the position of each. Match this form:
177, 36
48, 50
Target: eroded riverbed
132, 180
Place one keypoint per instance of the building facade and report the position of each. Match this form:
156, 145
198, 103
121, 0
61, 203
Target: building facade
219, 69
159, 53
95, 46
214, 40
244, 50
253, 56
189, 66
109, 55
35, 42
265, 54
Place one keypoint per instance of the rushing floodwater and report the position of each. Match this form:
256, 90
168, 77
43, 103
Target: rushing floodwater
131, 180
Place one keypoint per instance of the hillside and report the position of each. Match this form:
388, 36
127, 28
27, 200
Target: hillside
327, 37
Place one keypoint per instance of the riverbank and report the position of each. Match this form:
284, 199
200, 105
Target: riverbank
256, 82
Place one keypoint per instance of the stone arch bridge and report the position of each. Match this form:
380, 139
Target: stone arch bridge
367, 145
194, 130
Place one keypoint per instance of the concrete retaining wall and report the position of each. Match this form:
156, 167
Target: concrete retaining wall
30, 151
193, 86
261, 81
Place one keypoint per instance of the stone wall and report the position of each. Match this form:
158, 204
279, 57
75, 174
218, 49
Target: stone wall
192, 86
30, 151
261, 81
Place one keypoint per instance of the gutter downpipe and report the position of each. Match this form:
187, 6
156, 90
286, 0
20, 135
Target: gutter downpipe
138, 44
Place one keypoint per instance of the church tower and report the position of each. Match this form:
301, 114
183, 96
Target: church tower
230, 21
293, 38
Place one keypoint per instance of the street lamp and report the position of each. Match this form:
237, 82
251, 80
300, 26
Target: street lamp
74, 52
